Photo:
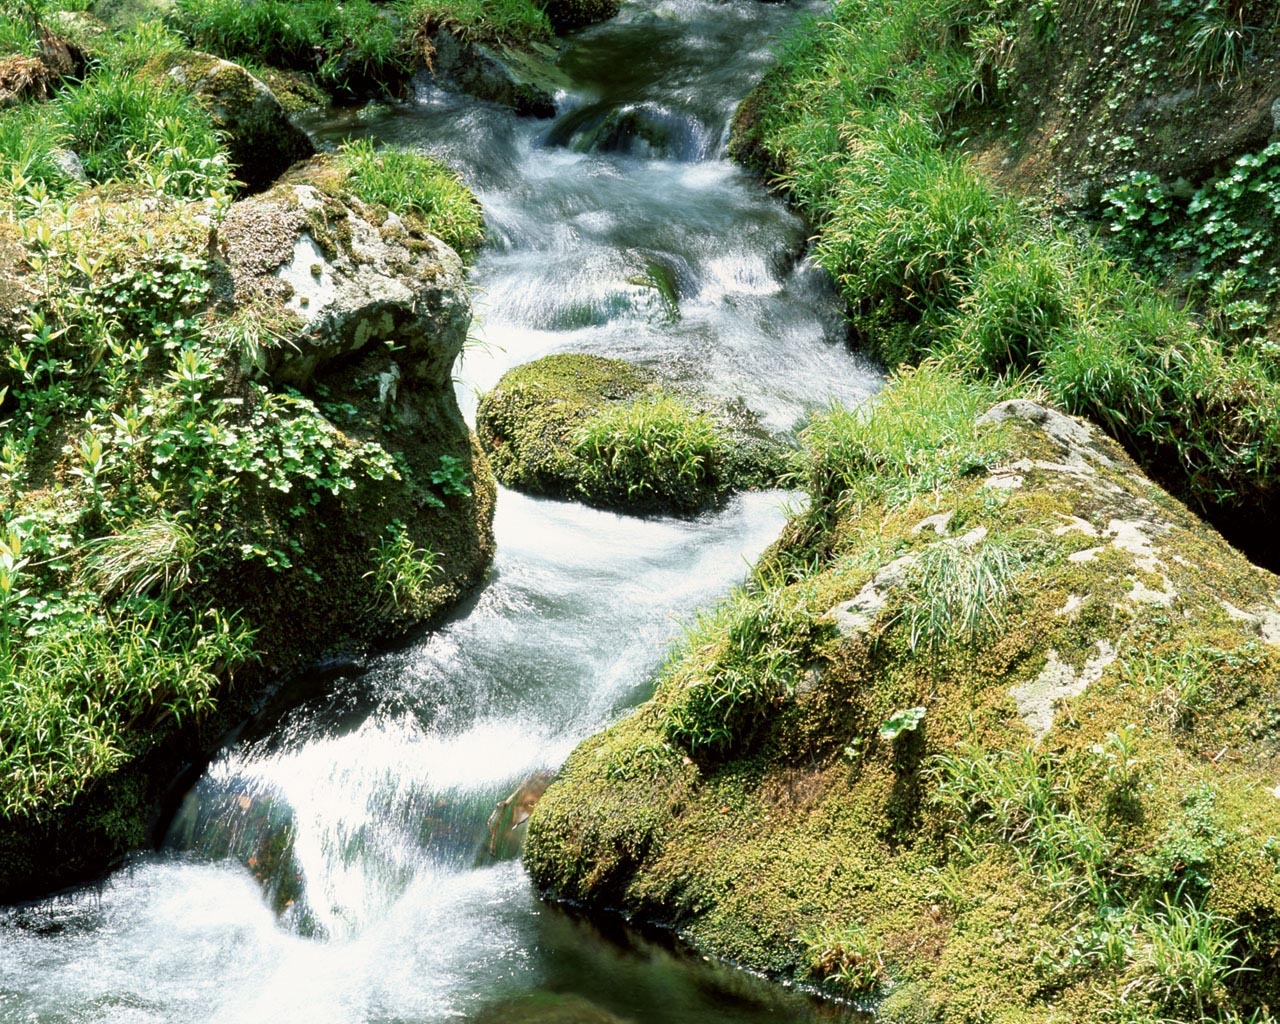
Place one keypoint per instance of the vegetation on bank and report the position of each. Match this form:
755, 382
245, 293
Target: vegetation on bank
608, 433
172, 517
864, 122
980, 741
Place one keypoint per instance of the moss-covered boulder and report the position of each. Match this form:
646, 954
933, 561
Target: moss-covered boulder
261, 141
612, 434
210, 483
994, 735
513, 78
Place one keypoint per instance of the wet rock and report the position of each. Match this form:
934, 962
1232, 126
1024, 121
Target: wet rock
518, 81
507, 824
261, 140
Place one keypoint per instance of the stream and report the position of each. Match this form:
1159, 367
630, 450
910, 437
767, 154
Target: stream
335, 869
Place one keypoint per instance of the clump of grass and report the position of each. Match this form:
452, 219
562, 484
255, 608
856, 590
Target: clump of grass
919, 433
154, 555
130, 127
845, 959
402, 573
957, 594
409, 183
748, 655
85, 691
510, 22
653, 449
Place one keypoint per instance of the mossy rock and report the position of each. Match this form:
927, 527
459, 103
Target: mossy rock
1092, 778
612, 434
312, 566
260, 139
569, 14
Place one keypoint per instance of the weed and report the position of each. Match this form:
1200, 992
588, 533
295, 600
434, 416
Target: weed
402, 572
157, 554
957, 594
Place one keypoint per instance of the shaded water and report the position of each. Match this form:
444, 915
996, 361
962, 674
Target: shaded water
335, 869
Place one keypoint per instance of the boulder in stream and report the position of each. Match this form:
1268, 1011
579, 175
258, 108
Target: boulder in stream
994, 735
613, 434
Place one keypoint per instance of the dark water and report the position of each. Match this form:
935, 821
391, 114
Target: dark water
335, 870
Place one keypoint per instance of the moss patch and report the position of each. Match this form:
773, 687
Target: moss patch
609, 433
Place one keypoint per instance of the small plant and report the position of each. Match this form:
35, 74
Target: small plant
451, 477
902, 721
401, 573
846, 960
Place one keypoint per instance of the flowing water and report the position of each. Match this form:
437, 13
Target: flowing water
336, 868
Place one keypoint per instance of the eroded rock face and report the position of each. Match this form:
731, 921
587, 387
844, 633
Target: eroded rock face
261, 140
1125, 676
345, 278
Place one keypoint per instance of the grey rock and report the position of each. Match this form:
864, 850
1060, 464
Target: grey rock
345, 284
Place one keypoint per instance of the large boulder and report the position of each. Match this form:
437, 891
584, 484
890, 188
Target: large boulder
349, 278
512, 78
995, 735
261, 140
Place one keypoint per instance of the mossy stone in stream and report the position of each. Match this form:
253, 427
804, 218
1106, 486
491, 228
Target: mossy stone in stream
609, 433
1090, 796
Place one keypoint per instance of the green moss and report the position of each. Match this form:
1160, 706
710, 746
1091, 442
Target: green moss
972, 869
608, 433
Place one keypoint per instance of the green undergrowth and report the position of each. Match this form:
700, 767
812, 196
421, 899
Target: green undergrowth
857, 123
610, 434
172, 520
833, 783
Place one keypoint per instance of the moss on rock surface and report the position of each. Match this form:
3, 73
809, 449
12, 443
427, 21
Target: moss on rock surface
609, 433
993, 736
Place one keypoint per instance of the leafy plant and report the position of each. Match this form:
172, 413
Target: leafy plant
901, 721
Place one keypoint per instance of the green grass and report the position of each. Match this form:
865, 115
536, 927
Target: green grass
410, 183
932, 260
511, 22
653, 449
132, 128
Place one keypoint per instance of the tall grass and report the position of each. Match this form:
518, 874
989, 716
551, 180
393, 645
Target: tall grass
933, 261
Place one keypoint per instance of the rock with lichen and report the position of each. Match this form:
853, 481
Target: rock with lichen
995, 734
